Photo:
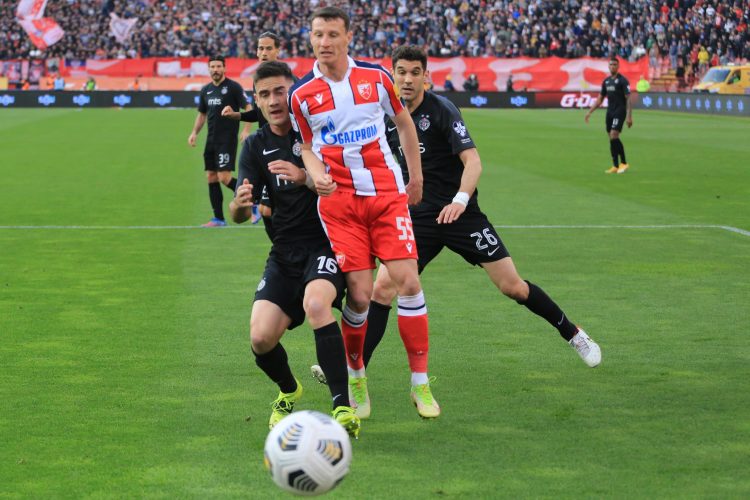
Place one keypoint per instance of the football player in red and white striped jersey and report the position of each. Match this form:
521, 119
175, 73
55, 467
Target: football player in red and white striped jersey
339, 110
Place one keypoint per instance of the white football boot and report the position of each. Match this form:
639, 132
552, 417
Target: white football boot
586, 348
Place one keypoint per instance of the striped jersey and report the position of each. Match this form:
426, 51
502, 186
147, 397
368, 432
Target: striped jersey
345, 123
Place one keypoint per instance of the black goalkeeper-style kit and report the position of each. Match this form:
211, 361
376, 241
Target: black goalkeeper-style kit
617, 90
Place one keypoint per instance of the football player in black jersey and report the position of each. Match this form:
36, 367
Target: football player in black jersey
301, 277
221, 142
616, 89
269, 46
449, 214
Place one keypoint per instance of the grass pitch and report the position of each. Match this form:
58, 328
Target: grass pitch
125, 361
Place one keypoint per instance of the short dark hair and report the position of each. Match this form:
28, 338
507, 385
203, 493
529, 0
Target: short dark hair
614, 59
270, 69
273, 36
328, 13
217, 58
409, 53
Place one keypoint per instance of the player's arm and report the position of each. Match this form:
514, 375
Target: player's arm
246, 129
240, 208
316, 169
629, 108
469, 180
200, 120
597, 103
407, 136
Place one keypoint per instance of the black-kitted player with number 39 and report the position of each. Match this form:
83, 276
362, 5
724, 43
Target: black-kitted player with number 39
449, 214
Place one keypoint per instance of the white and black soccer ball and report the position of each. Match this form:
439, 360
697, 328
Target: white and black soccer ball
308, 453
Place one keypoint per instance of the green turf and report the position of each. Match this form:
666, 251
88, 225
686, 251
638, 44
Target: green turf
124, 358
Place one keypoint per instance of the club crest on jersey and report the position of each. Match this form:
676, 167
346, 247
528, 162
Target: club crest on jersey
224, 90
365, 89
424, 123
296, 150
340, 259
460, 128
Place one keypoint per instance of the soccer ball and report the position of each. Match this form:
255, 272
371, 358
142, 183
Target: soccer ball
308, 453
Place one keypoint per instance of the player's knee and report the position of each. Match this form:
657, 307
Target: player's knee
212, 176
358, 300
317, 309
260, 343
516, 289
614, 134
383, 293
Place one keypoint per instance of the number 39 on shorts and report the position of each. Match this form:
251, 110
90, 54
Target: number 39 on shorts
404, 225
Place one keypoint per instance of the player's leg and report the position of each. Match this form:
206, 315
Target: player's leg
354, 328
383, 293
350, 242
267, 324
226, 156
413, 327
504, 275
615, 136
611, 122
320, 295
216, 198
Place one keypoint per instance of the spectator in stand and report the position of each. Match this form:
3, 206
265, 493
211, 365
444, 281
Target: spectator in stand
509, 83
448, 85
90, 84
472, 83
59, 82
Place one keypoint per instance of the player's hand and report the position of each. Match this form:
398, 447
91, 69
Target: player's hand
324, 185
629, 122
244, 135
450, 213
191, 140
287, 171
414, 191
586, 118
244, 195
228, 112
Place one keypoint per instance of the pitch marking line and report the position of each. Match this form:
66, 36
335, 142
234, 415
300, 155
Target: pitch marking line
737, 230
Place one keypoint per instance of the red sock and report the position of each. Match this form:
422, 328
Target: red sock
354, 342
415, 335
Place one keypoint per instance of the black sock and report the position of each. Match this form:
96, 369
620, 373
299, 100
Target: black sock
621, 150
275, 364
217, 199
232, 185
614, 151
540, 304
377, 320
329, 346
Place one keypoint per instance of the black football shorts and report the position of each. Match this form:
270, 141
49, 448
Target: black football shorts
472, 236
290, 269
219, 157
615, 121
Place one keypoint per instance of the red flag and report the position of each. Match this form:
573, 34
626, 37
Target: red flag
42, 32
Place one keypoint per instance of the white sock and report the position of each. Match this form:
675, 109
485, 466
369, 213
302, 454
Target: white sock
419, 378
356, 373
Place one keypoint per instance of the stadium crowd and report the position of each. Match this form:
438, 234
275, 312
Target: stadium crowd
692, 33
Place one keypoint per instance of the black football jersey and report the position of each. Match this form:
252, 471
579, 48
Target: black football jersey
616, 89
442, 136
295, 208
213, 99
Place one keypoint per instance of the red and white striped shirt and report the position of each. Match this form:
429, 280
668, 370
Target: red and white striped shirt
345, 123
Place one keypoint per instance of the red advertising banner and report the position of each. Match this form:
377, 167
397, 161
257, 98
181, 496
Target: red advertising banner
533, 75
